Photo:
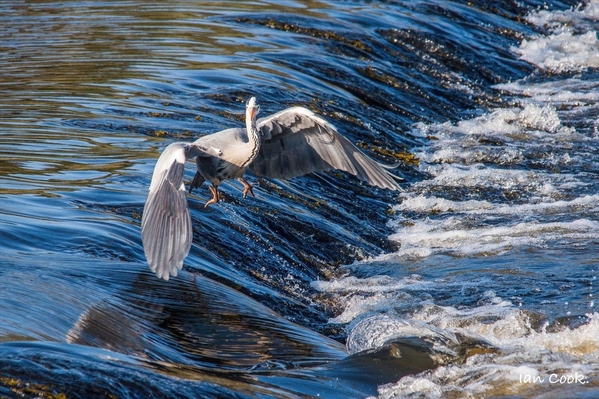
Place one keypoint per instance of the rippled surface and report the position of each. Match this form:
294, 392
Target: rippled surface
478, 280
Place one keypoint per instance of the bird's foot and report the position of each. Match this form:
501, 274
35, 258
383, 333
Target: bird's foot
214, 199
247, 188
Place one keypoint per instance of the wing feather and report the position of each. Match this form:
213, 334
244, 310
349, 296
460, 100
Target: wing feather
296, 142
166, 223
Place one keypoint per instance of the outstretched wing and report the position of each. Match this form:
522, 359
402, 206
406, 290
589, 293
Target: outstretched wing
296, 142
166, 230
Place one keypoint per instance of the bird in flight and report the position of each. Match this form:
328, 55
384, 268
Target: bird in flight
290, 143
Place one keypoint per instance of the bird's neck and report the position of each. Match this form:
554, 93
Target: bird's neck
254, 140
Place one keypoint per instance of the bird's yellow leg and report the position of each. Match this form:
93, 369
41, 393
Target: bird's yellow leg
214, 200
247, 187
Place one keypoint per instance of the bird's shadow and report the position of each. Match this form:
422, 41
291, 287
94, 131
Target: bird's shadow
199, 328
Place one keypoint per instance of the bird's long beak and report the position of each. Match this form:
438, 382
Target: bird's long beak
253, 111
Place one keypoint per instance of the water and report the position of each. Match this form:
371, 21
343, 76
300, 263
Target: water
478, 281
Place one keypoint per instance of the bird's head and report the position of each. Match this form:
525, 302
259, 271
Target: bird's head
252, 108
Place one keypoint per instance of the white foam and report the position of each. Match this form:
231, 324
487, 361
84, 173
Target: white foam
378, 309
458, 154
562, 52
422, 204
373, 295
528, 359
429, 225
433, 204
526, 356
578, 17
514, 171
531, 118
572, 91
376, 331
457, 175
515, 120
452, 236
375, 284
470, 228
571, 44
461, 160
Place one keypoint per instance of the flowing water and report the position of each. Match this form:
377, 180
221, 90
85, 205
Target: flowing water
479, 280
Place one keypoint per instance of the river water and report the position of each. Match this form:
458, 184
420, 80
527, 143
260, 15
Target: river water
479, 280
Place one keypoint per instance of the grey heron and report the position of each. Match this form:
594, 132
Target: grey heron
290, 143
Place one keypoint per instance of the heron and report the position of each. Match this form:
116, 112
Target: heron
287, 144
